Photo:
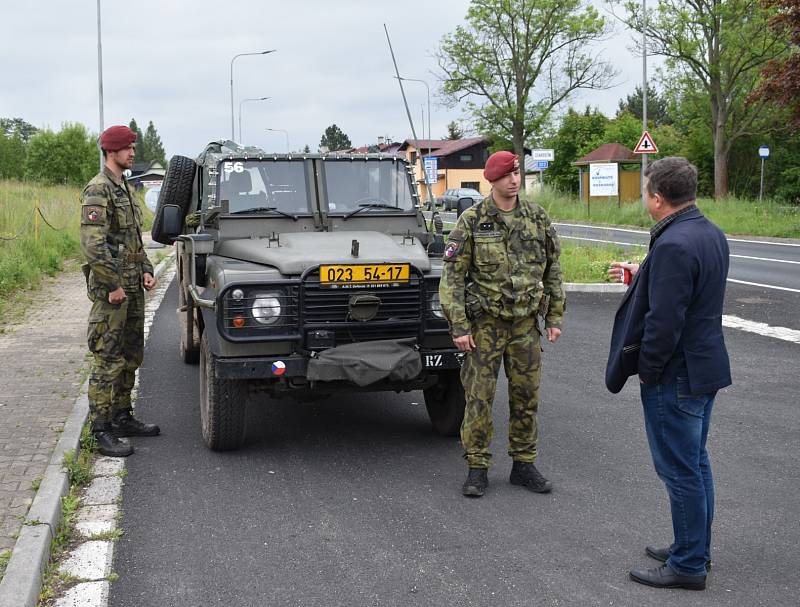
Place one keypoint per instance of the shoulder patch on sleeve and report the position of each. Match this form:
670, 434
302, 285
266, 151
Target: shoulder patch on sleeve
93, 215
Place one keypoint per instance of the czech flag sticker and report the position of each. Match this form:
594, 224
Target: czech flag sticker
278, 367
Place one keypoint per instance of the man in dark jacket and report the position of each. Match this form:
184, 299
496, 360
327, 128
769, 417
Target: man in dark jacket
668, 330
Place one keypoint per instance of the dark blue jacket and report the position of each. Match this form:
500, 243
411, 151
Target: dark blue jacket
672, 312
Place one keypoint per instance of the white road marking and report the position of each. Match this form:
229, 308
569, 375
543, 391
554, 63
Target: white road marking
760, 328
758, 284
597, 227
765, 259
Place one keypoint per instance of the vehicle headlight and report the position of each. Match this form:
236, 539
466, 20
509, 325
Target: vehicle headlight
435, 306
266, 308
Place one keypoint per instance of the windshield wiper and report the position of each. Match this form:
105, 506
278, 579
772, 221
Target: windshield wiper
370, 205
265, 210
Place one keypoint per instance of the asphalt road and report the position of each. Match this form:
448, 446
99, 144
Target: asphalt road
764, 261
354, 501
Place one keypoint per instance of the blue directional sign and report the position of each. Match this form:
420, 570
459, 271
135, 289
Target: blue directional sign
763, 151
542, 164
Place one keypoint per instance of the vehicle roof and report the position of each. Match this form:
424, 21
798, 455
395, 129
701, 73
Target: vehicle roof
230, 150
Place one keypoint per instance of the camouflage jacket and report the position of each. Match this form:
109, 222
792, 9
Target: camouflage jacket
111, 235
499, 270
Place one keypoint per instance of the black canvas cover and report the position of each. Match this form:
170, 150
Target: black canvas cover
367, 362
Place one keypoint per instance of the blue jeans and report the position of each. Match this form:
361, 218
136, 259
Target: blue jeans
677, 427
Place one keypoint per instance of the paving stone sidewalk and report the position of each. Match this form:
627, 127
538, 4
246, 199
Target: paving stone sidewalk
43, 365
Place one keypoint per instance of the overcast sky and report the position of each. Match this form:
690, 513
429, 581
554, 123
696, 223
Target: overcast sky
169, 61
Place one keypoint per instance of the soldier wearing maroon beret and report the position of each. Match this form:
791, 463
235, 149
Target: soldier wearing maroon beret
501, 276
117, 270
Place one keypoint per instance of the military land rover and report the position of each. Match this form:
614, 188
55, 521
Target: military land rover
303, 276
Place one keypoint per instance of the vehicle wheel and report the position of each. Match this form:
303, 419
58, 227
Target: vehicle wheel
445, 403
190, 349
222, 405
177, 190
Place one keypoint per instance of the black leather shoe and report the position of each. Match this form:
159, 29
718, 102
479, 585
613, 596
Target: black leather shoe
665, 577
662, 554
476, 483
110, 445
526, 475
125, 424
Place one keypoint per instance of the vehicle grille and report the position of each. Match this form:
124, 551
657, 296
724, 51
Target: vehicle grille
398, 316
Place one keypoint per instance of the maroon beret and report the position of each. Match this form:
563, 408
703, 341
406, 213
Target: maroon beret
116, 138
499, 165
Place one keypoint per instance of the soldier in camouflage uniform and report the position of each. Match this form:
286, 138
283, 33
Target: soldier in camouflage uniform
116, 269
501, 269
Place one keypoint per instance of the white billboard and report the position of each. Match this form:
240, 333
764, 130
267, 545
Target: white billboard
604, 179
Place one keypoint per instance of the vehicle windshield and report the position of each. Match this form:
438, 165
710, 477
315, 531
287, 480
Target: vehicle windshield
248, 184
376, 186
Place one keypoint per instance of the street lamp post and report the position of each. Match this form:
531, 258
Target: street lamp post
286, 133
233, 134
240, 111
428, 89
100, 77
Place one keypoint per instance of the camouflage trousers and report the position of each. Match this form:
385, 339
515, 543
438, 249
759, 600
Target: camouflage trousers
517, 344
116, 341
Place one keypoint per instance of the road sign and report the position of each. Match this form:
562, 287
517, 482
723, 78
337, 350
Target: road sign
543, 155
763, 151
603, 179
431, 169
542, 164
646, 145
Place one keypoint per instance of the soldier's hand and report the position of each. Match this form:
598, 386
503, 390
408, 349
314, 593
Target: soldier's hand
148, 281
117, 296
616, 268
465, 343
553, 333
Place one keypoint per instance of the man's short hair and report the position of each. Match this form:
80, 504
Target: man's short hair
674, 178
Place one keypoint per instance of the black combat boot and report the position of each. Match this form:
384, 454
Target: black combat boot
526, 475
476, 483
108, 444
125, 424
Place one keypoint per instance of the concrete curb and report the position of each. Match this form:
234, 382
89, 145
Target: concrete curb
595, 287
22, 581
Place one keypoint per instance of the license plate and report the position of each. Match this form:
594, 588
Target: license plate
364, 274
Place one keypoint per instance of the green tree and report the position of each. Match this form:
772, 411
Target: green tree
9, 126
454, 131
152, 145
335, 139
514, 61
12, 156
719, 47
657, 106
569, 142
135, 128
69, 156
306, 149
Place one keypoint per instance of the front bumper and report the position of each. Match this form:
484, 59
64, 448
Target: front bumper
296, 366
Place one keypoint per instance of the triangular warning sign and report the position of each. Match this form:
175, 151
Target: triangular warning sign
646, 145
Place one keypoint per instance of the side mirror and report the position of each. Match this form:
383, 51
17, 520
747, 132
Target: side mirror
462, 205
167, 224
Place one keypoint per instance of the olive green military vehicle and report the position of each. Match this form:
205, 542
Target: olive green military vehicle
304, 276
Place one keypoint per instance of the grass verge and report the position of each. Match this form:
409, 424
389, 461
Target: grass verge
733, 215
39, 232
5, 556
